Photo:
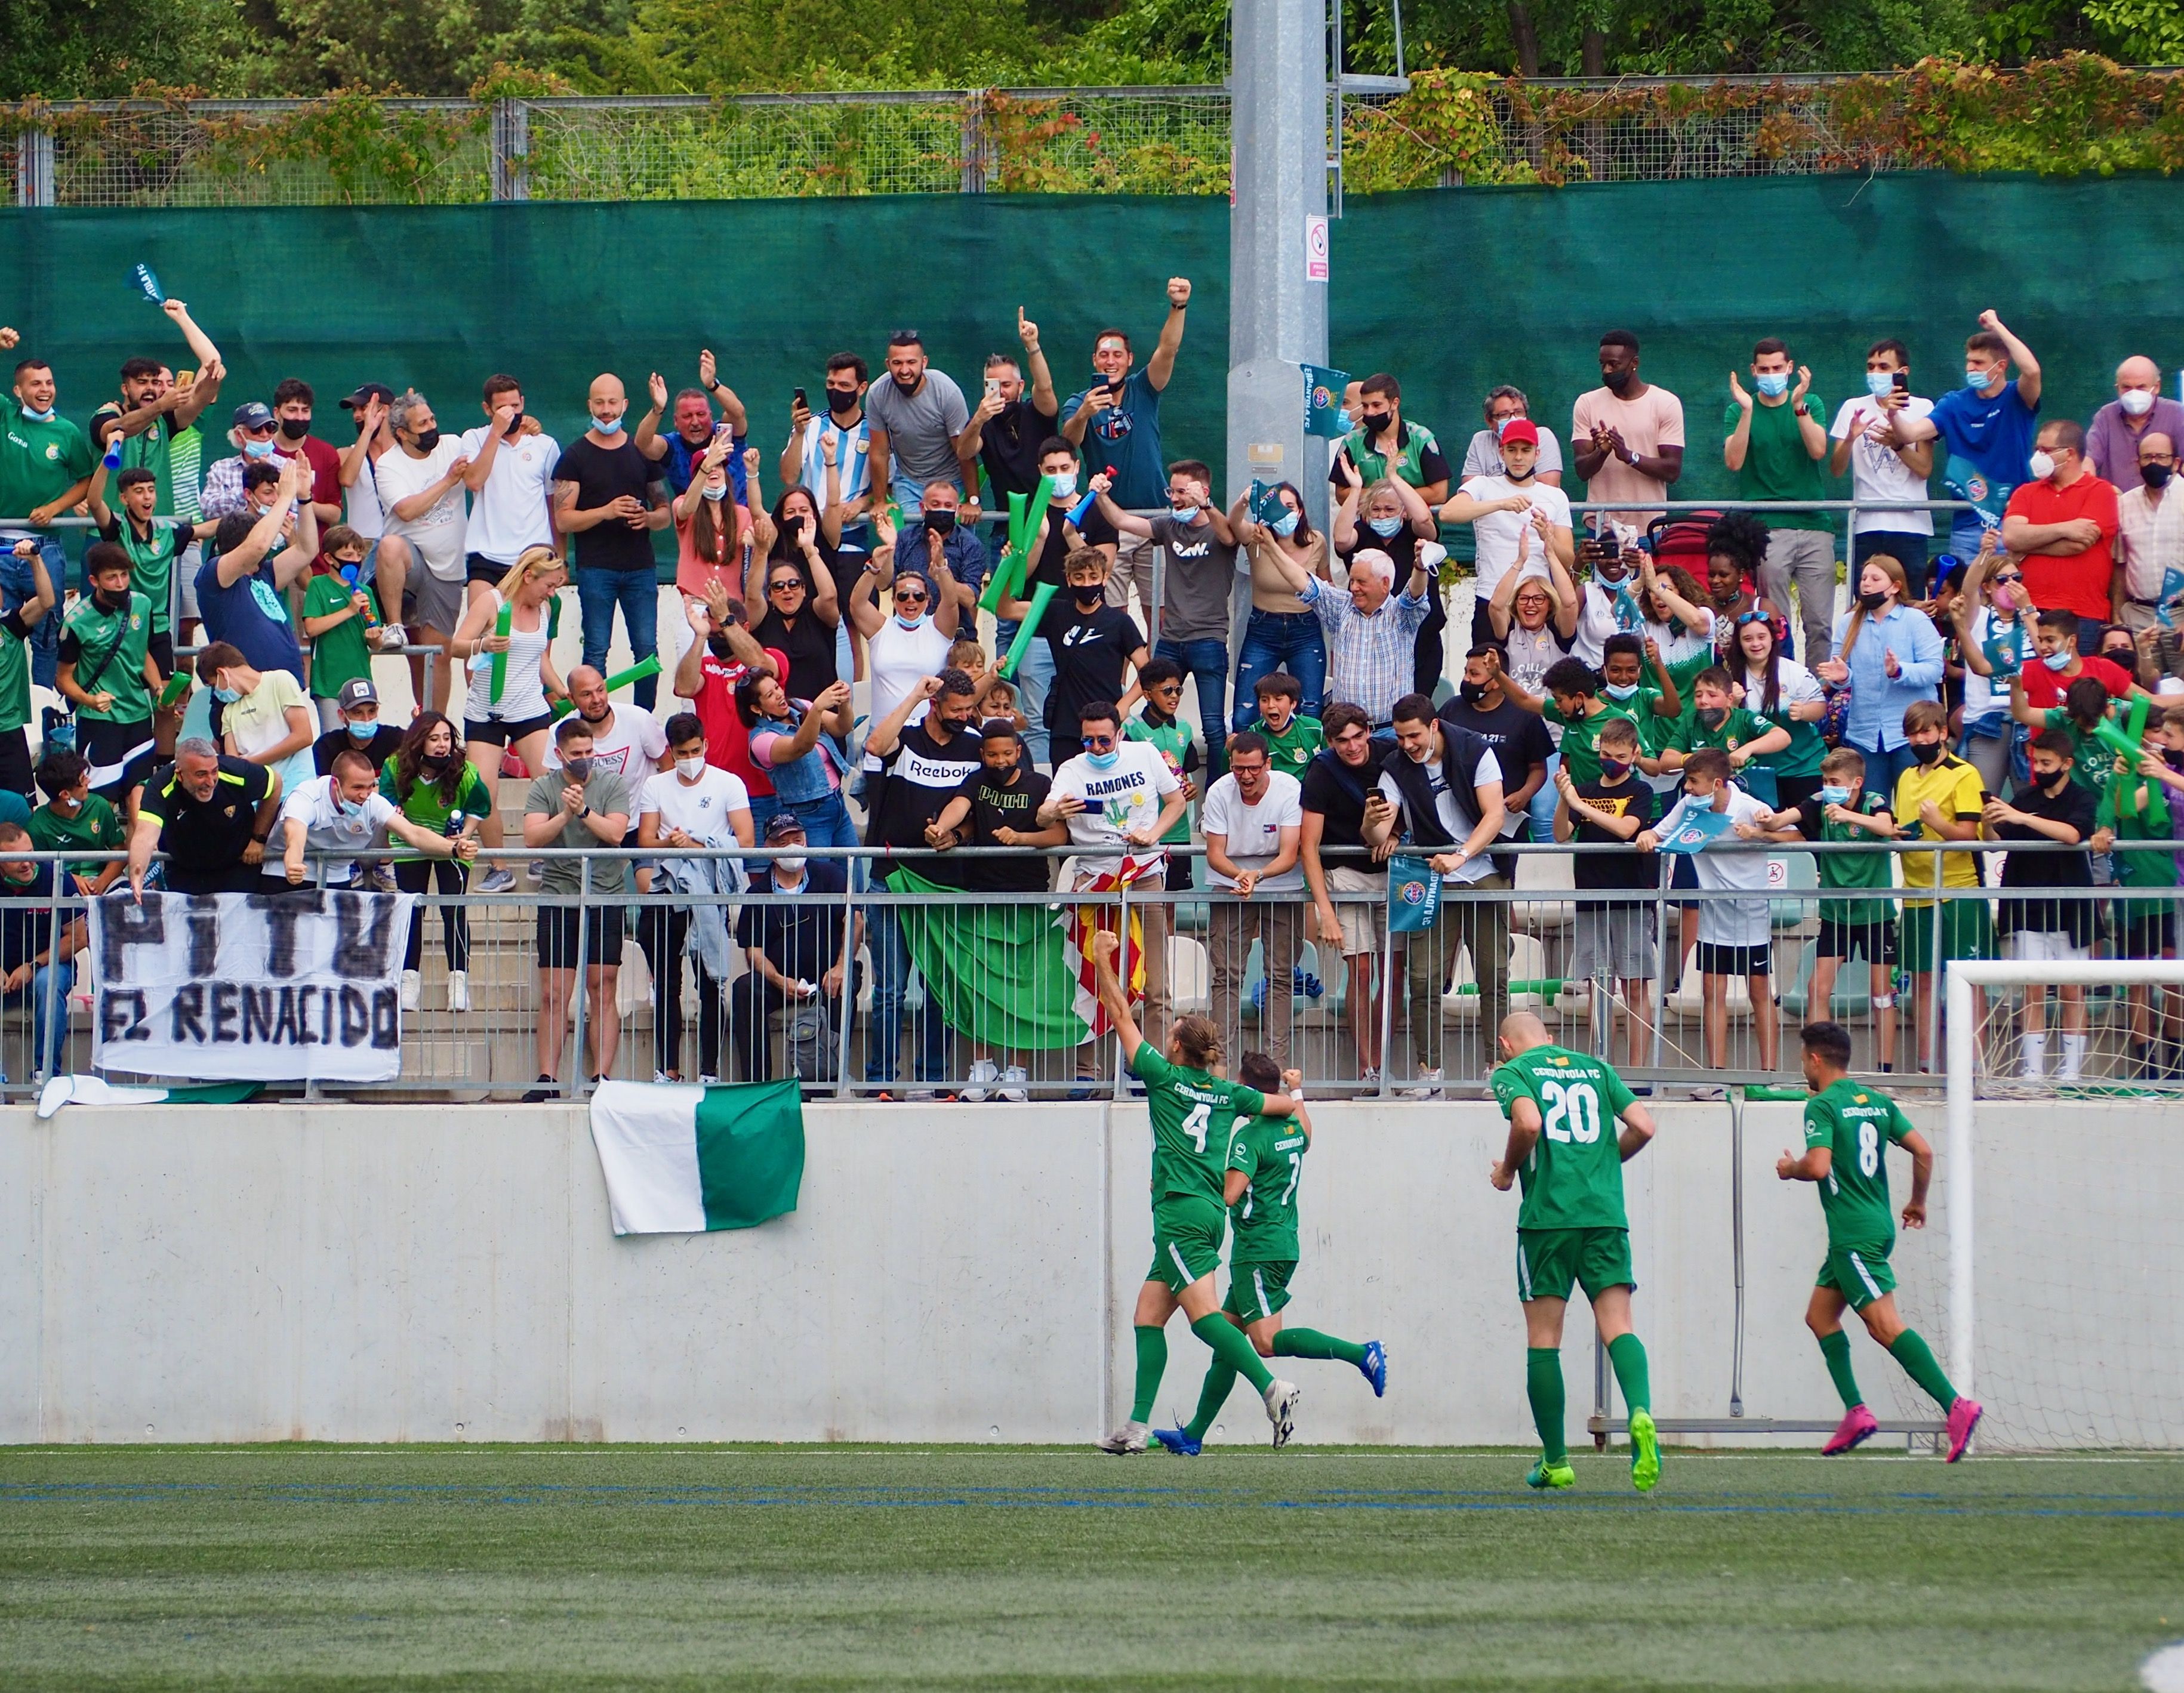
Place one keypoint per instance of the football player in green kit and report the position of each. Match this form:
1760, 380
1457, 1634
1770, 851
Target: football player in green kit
1266, 1160
1849, 1128
1572, 1227
1193, 1112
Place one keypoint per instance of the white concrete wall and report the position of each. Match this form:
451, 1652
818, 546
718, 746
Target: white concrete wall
965, 1274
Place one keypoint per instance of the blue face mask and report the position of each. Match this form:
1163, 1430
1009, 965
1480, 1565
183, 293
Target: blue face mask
1773, 384
1625, 690
1286, 524
1834, 796
1103, 761
608, 428
257, 450
1384, 526
363, 733
226, 696
1978, 380
45, 416
2058, 662
1879, 383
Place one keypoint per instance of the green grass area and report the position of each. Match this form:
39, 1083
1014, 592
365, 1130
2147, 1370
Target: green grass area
805, 1568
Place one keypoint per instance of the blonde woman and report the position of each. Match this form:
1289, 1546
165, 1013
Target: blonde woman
1890, 655
522, 716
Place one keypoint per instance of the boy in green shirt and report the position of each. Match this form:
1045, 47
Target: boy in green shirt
74, 819
108, 674
2146, 927
16, 627
1849, 1128
153, 547
1292, 738
1717, 721
1193, 1112
1572, 1227
1582, 701
338, 619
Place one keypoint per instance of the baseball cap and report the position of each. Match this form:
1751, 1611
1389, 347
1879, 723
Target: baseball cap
252, 414
784, 826
358, 691
370, 390
1520, 429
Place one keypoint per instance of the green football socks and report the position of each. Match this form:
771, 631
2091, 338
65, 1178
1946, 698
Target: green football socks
1543, 1386
1152, 1362
1232, 1349
1310, 1343
1917, 1358
1628, 1355
1219, 1379
1836, 1349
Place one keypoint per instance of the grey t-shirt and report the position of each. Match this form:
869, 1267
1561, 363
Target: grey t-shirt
921, 430
1201, 577
603, 791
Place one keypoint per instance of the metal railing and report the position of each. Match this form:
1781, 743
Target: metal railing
971, 983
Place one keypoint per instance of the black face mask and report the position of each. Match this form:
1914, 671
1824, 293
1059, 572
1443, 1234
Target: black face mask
427, 439
1929, 752
295, 428
1524, 476
1470, 692
941, 523
2055, 784
1617, 381
1872, 601
1713, 716
1090, 599
1376, 422
109, 602
2156, 476
840, 404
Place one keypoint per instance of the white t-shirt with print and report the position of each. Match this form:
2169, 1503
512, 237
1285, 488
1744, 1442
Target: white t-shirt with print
630, 746
510, 512
438, 535
1475, 869
1127, 795
1728, 922
1877, 471
1253, 833
327, 828
701, 809
1497, 532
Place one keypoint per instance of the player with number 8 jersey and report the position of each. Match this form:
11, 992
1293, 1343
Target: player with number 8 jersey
1563, 1108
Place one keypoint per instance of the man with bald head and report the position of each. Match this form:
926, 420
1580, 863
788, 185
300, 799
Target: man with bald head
2113, 437
1572, 1227
2149, 539
610, 497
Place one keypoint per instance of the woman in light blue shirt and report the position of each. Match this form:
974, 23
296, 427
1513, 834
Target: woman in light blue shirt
1890, 655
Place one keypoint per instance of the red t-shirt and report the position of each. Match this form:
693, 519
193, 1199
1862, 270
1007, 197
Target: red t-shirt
2076, 582
2043, 687
727, 742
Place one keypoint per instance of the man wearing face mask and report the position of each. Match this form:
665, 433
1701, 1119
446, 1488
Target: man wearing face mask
917, 416
2116, 437
1499, 509
1095, 645
344, 811
254, 433
293, 439
1008, 425
106, 673
1627, 434
1883, 469
1482, 456
2059, 927
421, 483
936, 540
2062, 523
610, 497
1985, 428
261, 550
2149, 540
359, 730
1519, 740
843, 416
511, 479
1776, 443
1384, 444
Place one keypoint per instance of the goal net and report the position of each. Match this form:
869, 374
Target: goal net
2059, 1233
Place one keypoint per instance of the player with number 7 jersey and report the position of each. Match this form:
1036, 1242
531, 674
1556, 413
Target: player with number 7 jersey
1563, 1108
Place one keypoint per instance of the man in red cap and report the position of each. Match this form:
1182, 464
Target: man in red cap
1499, 508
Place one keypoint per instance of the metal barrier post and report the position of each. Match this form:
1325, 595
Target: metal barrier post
848, 981
1388, 1013
1736, 1247
39, 1067
1940, 973
575, 1086
1661, 963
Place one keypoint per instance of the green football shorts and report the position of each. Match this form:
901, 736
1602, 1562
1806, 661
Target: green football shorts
1966, 932
1550, 1260
1187, 1237
1860, 1273
1257, 1290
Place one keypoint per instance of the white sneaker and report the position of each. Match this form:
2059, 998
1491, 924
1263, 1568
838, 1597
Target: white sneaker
498, 880
1281, 1398
706, 1081
1369, 1079
1428, 1087
413, 990
984, 1073
459, 990
536, 870
1013, 1081
392, 636
1133, 1437
660, 1077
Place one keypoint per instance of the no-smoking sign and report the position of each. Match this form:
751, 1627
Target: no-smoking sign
1315, 249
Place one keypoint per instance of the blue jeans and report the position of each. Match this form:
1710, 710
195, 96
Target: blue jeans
825, 822
891, 968
1882, 768
20, 588
1207, 663
1035, 678
1542, 806
48, 1030
638, 592
1287, 641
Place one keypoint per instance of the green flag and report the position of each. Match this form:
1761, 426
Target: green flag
999, 973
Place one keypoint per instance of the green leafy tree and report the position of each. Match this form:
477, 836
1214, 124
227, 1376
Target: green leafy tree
80, 49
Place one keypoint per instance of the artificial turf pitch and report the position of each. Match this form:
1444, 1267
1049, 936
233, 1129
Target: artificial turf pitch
806, 1568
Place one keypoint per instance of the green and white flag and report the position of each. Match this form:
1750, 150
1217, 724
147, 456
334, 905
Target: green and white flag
91, 1090
682, 1160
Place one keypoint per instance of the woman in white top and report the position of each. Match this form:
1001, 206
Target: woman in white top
522, 715
1678, 618
1283, 633
1994, 634
904, 648
1533, 616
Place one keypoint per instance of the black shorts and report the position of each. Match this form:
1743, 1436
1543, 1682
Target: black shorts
15, 762
476, 567
1734, 960
1178, 876
2147, 934
557, 936
491, 732
120, 755
1873, 939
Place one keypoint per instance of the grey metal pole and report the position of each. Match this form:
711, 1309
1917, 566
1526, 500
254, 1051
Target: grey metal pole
1736, 1246
574, 1087
849, 980
1277, 304
1387, 1012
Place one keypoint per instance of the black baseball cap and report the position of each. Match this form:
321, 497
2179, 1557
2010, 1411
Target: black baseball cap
370, 390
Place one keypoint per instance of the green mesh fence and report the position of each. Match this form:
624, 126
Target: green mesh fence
1456, 289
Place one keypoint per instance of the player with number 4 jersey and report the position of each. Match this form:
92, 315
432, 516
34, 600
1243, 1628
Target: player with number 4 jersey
1265, 1161
1193, 1111
1849, 1128
1563, 1108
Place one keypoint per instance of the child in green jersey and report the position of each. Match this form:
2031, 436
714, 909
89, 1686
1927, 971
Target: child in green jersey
1193, 1112
1266, 1159
1292, 738
1572, 1228
1849, 1126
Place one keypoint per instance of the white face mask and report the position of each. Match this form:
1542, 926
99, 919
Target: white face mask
792, 863
2136, 402
690, 769
2042, 466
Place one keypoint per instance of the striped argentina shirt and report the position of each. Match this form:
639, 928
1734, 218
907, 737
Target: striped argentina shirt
1370, 661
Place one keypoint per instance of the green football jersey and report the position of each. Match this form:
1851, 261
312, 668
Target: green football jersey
1270, 1152
1731, 733
1580, 742
93, 828
107, 649
1292, 750
1573, 1176
1193, 1115
1856, 1124
1867, 870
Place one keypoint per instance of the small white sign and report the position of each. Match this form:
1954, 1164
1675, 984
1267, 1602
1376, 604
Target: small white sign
1315, 249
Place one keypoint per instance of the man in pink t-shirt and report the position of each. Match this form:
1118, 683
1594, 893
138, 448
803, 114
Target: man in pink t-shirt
1626, 435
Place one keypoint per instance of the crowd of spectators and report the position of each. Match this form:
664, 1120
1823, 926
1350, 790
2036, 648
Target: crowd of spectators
1162, 682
